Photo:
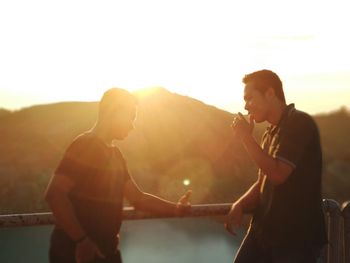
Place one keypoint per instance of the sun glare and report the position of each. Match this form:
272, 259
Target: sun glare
142, 93
186, 182
201, 58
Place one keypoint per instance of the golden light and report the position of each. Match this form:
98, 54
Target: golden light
194, 173
186, 182
145, 92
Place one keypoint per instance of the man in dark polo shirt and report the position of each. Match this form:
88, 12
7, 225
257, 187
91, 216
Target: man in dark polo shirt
288, 222
87, 189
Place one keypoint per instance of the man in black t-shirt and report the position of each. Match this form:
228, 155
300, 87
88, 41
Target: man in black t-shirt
288, 222
87, 189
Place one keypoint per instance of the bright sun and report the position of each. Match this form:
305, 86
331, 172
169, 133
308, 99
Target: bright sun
186, 182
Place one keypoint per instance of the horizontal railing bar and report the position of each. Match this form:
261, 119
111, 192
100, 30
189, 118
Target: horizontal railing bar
129, 213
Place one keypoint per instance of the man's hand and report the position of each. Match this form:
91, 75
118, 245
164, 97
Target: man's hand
234, 217
241, 127
87, 251
183, 206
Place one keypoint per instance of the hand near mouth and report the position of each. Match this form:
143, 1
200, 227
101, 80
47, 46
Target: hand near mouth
241, 127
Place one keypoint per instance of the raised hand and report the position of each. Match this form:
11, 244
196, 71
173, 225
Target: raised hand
183, 205
87, 251
241, 127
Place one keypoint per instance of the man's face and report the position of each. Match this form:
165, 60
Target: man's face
256, 102
122, 122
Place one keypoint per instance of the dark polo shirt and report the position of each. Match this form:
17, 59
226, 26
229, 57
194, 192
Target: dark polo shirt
290, 214
99, 173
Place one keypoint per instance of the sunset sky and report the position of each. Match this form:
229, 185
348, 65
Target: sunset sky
74, 50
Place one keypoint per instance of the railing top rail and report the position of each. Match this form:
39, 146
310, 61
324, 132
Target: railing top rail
129, 213
330, 206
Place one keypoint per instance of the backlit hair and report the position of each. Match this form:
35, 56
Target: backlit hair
265, 79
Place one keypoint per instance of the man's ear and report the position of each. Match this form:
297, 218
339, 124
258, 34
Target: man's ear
270, 93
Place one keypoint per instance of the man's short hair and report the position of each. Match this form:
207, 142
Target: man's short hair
265, 79
116, 99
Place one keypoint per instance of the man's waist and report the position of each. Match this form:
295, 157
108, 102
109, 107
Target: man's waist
291, 232
107, 243
102, 198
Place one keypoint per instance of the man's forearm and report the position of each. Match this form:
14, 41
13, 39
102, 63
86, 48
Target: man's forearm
154, 204
264, 161
250, 199
63, 212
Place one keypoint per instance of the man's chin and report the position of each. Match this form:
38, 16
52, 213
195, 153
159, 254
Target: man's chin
257, 119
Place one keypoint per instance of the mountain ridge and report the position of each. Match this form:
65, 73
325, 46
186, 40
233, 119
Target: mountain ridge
176, 138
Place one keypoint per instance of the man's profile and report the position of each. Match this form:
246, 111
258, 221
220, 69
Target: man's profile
87, 189
288, 222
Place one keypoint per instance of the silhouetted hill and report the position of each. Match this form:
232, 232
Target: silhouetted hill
334, 130
4, 112
176, 138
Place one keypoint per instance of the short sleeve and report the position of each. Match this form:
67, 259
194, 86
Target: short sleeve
127, 176
294, 137
72, 162
124, 165
79, 157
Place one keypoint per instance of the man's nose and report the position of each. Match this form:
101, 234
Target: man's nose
246, 106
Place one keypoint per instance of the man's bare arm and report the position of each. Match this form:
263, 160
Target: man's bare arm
147, 202
246, 204
276, 170
57, 198
251, 198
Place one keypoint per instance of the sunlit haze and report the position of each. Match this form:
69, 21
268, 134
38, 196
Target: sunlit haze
54, 51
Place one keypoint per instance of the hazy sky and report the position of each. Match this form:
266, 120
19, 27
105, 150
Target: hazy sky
74, 50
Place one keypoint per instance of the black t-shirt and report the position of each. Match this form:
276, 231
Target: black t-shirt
290, 214
99, 173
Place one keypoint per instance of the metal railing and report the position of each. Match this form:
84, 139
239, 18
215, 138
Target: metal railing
337, 220
346, 231
129, 213
338, 230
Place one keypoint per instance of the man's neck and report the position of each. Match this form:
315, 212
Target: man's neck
101, 134
276, 112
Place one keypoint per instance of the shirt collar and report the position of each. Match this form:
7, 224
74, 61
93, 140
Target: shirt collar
284, 116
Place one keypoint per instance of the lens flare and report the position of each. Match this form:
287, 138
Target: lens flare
186, 182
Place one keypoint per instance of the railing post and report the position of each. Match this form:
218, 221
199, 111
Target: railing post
334, 228
346, 216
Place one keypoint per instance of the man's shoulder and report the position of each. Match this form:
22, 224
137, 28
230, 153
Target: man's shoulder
299, 114
85, 145
85, 139
297, 118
